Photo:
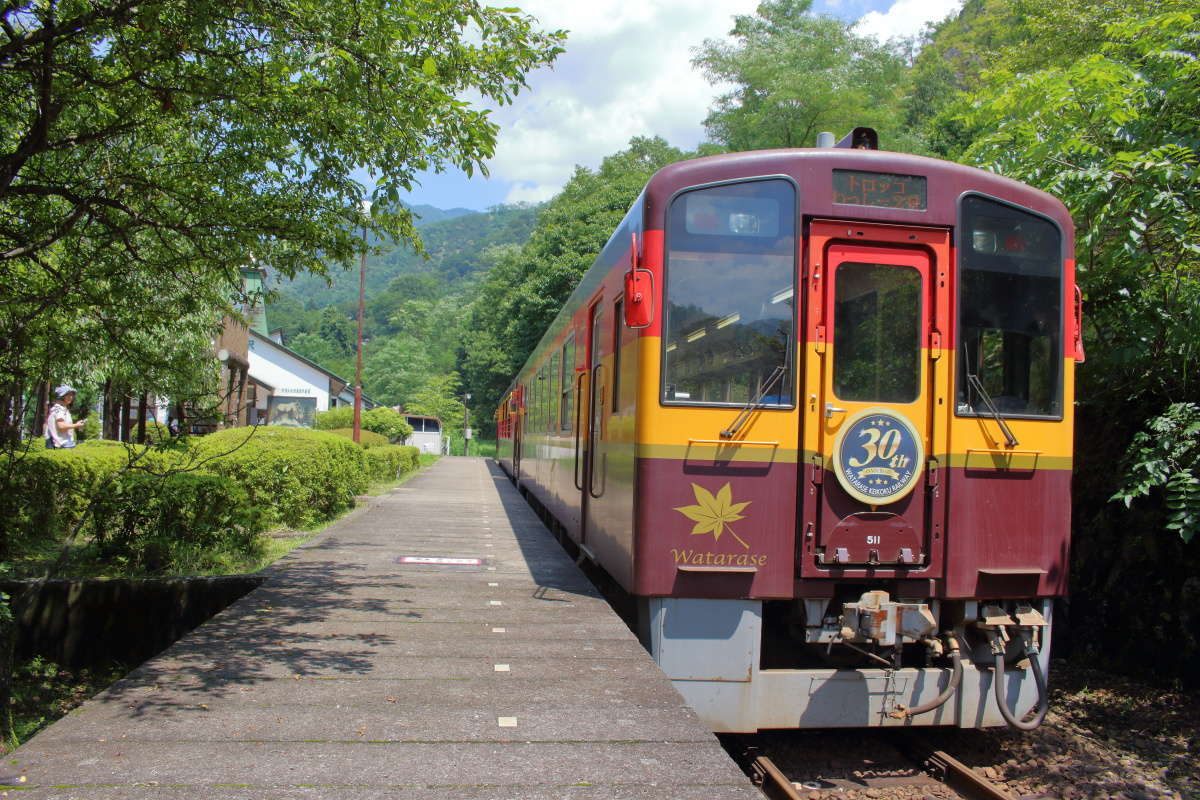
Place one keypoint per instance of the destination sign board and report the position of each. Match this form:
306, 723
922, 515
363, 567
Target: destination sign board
853, 187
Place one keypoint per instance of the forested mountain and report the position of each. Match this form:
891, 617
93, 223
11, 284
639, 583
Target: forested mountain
454, 241
413, 316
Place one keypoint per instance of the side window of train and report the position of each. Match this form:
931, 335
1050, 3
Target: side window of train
565, 420
729, 295
1010, 312
555, 381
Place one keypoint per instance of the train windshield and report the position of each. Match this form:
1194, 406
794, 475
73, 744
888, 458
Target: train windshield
1010, 311
730, 273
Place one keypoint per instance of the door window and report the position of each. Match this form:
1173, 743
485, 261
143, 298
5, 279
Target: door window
877, 333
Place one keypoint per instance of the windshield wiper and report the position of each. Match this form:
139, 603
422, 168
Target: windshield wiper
977, 385
744, 414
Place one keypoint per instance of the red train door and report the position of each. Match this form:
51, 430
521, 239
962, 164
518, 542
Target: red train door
877, 296
588, 469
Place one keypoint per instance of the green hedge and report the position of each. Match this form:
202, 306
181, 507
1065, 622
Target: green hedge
180, 522
297, 477
46, 491
367, 438
384, 421
390, 462
179, 508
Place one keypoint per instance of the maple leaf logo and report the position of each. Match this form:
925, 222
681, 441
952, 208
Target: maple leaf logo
713, 514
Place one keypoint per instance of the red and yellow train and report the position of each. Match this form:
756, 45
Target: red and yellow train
812, 408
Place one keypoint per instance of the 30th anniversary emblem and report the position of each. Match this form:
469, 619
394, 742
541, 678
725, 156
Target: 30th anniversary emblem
878, 456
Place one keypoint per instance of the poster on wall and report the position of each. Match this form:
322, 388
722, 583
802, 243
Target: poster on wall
292, 412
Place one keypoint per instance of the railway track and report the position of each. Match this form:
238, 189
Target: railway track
849, 764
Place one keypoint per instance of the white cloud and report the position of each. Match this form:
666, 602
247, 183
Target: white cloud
627, 72
905, 18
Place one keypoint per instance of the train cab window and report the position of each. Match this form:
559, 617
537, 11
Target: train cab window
877, 333
730, 273
1010, 314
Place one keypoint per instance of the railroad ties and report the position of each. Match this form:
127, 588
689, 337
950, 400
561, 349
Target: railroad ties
437, 643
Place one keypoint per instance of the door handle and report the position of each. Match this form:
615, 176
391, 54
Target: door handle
831, 409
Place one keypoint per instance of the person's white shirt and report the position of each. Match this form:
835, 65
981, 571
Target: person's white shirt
60, 438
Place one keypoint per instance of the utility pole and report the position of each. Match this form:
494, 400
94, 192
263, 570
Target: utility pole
466, 426
362, 288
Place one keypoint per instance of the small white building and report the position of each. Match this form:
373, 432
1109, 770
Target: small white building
427, 433
290, 389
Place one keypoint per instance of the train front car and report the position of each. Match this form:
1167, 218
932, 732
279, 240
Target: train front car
852, 438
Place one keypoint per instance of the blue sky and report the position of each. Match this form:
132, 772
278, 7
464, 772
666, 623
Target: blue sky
626, 73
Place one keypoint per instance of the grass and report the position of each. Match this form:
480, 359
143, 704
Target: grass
43, 691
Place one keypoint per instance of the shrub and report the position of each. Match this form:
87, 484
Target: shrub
186, 521
388, 422
367, 438
384, 421
297, 477
90, 429
45, 492
334, 418
392, 461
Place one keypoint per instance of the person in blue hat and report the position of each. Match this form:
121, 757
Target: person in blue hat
60, 429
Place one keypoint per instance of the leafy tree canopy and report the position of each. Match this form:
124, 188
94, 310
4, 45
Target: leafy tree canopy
525, 288
1116, 135
795, 74
148, 149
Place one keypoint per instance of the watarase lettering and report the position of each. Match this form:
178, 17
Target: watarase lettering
698, 558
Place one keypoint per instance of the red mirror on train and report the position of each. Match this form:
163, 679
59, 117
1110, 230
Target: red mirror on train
639, 298
639, 291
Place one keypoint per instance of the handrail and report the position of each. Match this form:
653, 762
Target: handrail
728, 442
578, 429
595, 412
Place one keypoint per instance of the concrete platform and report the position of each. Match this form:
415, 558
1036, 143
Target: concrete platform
352, 675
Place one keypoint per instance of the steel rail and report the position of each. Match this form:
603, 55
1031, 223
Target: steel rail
773, 783
952, 772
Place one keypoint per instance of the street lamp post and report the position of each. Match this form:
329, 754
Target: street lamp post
362, 288
466, 426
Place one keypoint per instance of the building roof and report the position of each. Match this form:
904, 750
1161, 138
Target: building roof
261, 337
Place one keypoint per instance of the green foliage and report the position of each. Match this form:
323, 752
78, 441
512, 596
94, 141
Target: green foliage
1165, 457
1116, 136
90, 430
391, 461
340, 417
43, 691
382, 420
453, 249
296, 477
387, 422
147, 148
179, 522
525, 287
45, 492
440, 397
367, 439
795, 74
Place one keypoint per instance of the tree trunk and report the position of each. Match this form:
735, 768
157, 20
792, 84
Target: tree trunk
106, 431
126, 419
40, 410
141, 434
